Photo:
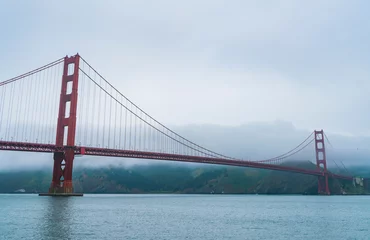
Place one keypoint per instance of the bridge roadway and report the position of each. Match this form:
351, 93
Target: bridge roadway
50, 148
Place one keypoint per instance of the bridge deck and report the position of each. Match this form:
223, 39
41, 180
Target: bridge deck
50, 148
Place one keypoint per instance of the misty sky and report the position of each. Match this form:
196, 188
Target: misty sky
226, 63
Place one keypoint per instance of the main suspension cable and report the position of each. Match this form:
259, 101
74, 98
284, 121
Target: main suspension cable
32, 72
282, 156
160, 124
171, 131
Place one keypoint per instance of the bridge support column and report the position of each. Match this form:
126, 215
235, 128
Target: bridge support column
323, 183
61, 184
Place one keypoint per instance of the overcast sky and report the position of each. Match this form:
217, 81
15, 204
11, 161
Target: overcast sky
211, 61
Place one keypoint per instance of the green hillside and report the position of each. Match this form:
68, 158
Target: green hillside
163, 178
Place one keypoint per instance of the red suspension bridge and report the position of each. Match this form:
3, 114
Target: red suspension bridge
88, 116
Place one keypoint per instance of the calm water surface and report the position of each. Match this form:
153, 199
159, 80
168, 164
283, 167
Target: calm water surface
184, 217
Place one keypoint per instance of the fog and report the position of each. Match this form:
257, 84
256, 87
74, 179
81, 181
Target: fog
250, 79
254, 141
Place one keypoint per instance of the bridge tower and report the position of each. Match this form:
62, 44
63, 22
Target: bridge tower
66, 129
323, 184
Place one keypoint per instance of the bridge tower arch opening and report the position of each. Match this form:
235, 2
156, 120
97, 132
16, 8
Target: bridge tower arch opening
323, 183
66, 129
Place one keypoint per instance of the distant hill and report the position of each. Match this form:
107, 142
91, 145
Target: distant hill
177, 178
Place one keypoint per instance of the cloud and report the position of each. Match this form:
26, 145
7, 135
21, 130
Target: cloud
229, 63
215, 62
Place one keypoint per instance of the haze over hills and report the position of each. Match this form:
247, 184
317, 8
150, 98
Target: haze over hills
32, 171
178, 178
254, 141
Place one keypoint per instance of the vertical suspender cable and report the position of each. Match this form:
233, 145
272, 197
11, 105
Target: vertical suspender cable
30, 109
110, 118
130, 145
93, 111
37, 104
81, 100
2, 97
87, 115
125, 136
99, 113
47, 100
120, 126
135, 135
144, 135
115, 124
19, 104
10, 111
140, 136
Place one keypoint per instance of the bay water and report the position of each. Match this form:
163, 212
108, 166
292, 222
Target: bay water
28, 216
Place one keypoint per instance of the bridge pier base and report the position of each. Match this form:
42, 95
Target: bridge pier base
62, 172
61, 194
62, 185
323, 185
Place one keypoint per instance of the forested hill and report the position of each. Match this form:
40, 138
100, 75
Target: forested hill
177, 178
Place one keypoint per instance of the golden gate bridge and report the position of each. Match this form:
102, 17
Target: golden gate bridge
67, 108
